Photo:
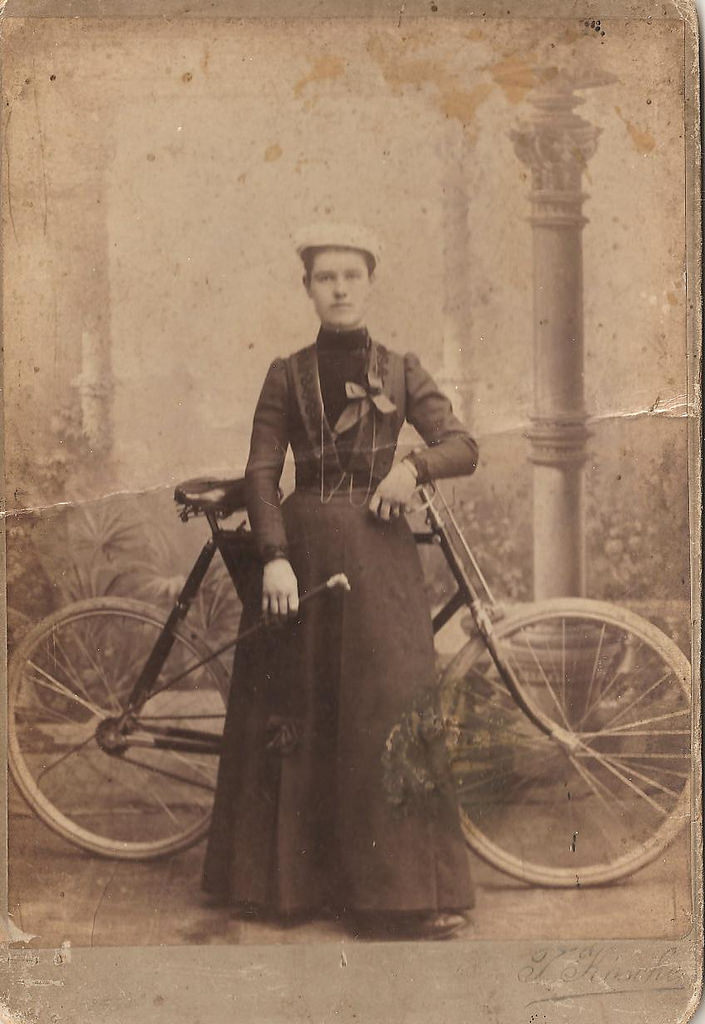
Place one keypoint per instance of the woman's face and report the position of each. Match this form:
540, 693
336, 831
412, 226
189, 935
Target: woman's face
339, 287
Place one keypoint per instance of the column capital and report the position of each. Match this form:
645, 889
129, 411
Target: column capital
558, 440
556, 143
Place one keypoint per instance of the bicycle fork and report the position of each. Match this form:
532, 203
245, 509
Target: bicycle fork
467, 594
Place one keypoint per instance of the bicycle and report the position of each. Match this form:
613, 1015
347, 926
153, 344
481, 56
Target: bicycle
566, 722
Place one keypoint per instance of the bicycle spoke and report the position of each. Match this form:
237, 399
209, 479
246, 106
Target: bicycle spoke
59, 760
548, 685
597, 787
487, 779
644, 778
480, 707
594, 786
563, 660
484, 722
636, 732
595, 665
628, 782
627, 656
627, 727
36, 717
98, 668
145, 792
168, 774
65, 665
485, 677
495, 776
671, 771
174, 718
637, 700
74, 674
550, 651
646, 754
528, 777
510, 658
203, 768
56, 687
593, 675
515, 738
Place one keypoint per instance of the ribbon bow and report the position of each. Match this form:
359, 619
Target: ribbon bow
361, 399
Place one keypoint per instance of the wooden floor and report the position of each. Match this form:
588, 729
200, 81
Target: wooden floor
59, 894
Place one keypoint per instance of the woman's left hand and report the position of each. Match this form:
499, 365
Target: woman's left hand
394, 493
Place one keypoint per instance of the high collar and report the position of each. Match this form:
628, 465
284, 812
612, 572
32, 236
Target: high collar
342, 341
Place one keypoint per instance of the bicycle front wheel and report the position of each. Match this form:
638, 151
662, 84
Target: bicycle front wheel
604, 794
72, 676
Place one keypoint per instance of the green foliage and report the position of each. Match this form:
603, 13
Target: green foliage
30, 595
111, 548
637, 532
50, 468
500, 538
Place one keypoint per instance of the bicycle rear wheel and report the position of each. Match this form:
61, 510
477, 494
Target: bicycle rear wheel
602, 797
74, 671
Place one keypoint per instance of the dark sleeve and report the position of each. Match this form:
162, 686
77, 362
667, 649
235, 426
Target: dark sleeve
268, 445
451, 451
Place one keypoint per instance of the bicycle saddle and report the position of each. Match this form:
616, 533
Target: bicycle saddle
202, 494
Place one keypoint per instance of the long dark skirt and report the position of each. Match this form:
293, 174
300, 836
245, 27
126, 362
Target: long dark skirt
302, 818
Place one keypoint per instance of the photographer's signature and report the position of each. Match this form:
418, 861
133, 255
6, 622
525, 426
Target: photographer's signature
600, 969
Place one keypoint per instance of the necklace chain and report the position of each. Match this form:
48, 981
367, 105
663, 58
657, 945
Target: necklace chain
326, 499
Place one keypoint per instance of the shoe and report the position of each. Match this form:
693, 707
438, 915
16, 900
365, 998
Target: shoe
404, 926
214, 900
442, 926
244, 911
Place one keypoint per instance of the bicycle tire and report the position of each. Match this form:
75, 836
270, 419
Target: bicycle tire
535, 805
74, 670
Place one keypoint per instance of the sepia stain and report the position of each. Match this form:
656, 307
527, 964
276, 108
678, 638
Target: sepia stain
205, 59
242, 178
301, 162
323, 68
273, 152
187, 76
515, 77
644, 142
475, 35
463, 103
401, 67
672, 298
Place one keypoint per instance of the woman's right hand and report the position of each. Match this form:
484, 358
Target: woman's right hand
280, 589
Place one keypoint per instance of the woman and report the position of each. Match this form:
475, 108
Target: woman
302, 820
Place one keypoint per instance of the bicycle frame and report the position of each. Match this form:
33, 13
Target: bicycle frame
116, 733
173, 737
467, 594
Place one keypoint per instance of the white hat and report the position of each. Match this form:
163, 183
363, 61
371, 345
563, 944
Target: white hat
338, 236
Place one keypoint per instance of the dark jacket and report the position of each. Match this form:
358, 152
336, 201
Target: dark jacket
304, 816
290, 412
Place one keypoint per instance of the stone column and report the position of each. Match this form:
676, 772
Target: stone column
456, 311
95, 388
556, 144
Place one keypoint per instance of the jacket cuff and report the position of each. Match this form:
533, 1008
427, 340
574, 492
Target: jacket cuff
419, 463
272, 551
